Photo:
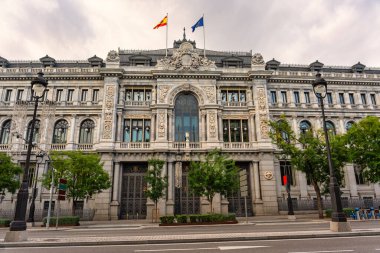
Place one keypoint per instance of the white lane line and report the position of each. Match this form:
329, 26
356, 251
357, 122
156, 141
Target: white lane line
240, 247
166, 250
325, 251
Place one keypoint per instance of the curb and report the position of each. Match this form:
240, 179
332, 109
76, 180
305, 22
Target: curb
214, 239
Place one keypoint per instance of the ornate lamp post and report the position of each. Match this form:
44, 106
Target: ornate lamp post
338, 219
39, 85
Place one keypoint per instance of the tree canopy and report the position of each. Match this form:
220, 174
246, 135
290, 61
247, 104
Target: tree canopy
217, 174
9, 172
84, 173
308, 154
363, 141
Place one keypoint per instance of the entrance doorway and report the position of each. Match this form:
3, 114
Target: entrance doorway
133, 200
185, 201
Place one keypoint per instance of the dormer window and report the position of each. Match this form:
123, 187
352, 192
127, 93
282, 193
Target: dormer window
232, 62
95, 61
47, 61
272, 65
140, 60
358, 68
316, 66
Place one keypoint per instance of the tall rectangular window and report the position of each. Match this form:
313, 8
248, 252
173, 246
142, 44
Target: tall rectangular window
58, 97
329, 98
19, 94
70, 94
296, 97
341, 98
307, 97
136, 130
235, 130
95, 94
373, 99
286, 172
273, 96
8, 95
352, 99
284, 97
364, 98
84, 95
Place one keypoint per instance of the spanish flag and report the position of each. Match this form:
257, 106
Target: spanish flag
163, 22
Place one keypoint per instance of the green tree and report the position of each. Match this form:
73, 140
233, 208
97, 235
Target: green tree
217, 174
9, 173
308, 154
363, 141
84, 174
156, 183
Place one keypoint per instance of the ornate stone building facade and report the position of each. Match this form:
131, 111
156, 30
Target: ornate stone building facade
136, 105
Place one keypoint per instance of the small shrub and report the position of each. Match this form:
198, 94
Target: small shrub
167, 219
348, 211
63, 221
5, 222
230, 217
193, 218
328, 213
181, 218
216, 217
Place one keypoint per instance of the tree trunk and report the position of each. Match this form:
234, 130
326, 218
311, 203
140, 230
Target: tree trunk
73, 207
319, 199
211, 207
155, 216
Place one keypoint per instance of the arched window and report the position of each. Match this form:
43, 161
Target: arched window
86, 131
349, 124
5, 131
284, 135
330, 127
36, 132
305, 126
186, 118
60, 131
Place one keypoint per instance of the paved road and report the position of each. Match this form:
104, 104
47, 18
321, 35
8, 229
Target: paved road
363, 244
133, 230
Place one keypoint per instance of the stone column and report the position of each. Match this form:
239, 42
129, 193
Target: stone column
170, 126
169, 200
71, 143
153, 128
351, 180
220, 126
268, 184
251, 127
162, 201
258, 202
115, 192
161, 129
212, 128
302, 184
120, 129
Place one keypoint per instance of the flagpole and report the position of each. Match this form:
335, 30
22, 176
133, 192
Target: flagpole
167, 24
204, 37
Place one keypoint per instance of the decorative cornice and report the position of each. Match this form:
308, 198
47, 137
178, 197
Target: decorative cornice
29, 78
330, 82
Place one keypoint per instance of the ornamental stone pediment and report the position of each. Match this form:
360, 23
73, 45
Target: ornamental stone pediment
185, 58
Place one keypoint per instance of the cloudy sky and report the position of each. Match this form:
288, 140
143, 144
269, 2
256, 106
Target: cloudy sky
336, 32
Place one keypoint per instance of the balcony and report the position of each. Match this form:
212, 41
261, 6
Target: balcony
137, 103
234, 104
135, 145
5, 146
58, 146
87, 146
236, 145
185, 145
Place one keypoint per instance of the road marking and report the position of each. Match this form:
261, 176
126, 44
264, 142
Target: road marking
325, 251
240, 247
166, 250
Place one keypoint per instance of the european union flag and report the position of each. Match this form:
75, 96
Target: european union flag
198, 24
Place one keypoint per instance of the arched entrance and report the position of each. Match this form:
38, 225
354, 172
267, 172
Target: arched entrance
186, 113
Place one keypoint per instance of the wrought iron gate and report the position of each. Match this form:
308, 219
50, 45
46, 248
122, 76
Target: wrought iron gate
185, 201
133, 200
236, 201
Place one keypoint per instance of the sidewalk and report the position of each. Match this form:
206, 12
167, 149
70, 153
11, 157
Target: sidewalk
187, 238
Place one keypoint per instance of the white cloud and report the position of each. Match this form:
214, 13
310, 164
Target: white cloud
339, 32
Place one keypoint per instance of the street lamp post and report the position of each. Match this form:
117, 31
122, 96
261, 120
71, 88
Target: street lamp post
39, 85
338, 218
34, 192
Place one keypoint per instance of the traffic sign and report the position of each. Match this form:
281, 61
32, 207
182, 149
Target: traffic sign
62, 187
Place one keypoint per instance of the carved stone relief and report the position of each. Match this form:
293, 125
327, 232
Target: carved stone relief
161, 124
210, 93
186, 87
185, 58
263, 115
257, 59
212, 124
108, 113
163, 92
113, 56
